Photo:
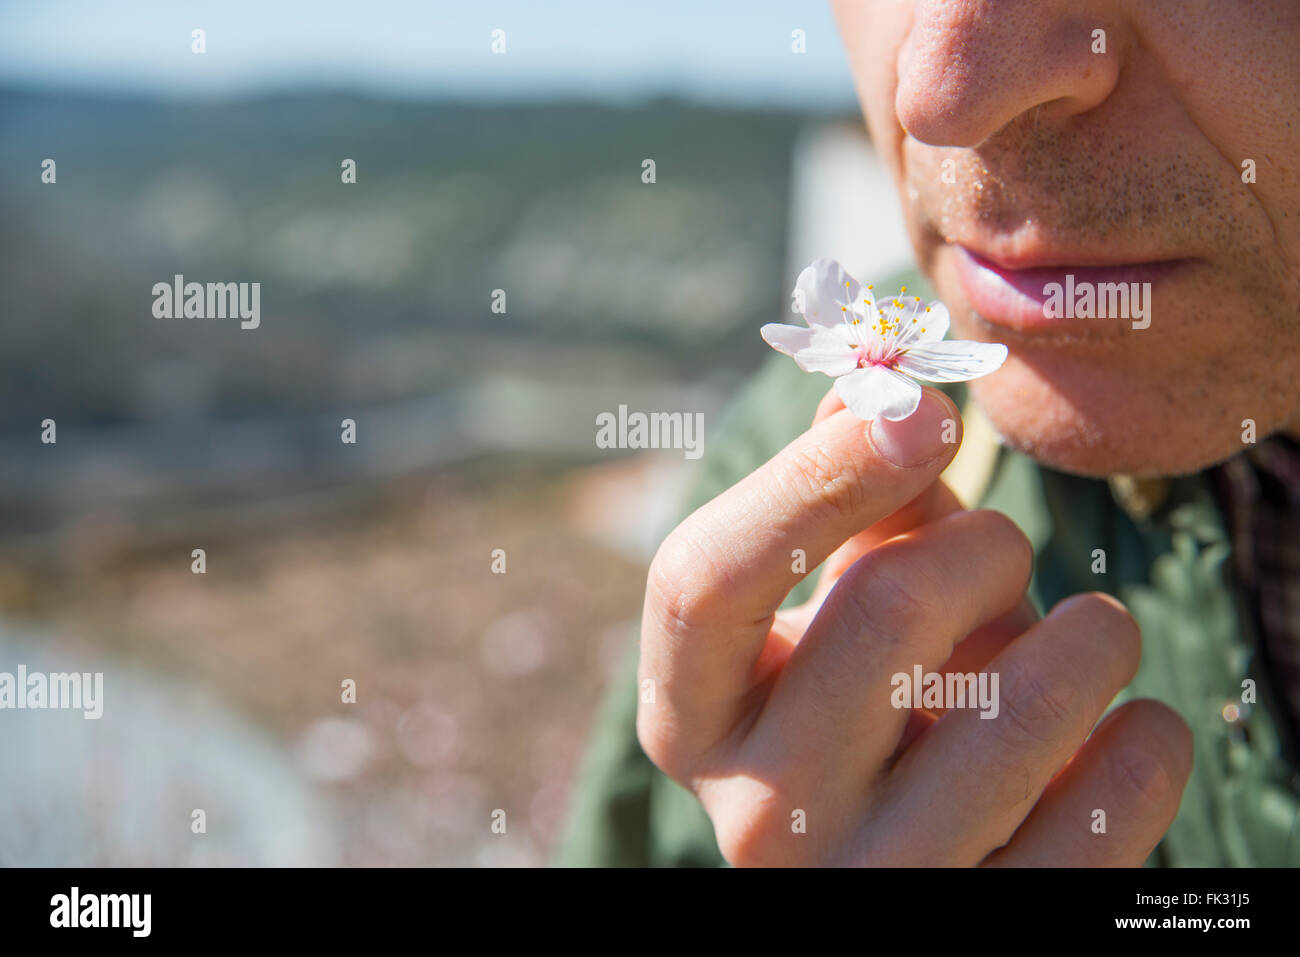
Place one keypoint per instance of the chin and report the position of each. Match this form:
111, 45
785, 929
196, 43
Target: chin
1085, 419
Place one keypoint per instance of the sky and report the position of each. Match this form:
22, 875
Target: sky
726, 51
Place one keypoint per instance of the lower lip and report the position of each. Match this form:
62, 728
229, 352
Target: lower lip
1014, 298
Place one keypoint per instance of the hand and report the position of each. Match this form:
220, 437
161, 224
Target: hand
781, 722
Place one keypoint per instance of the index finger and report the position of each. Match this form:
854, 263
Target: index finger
718, 579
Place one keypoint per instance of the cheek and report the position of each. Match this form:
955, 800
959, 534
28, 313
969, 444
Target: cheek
874, 35
876, 84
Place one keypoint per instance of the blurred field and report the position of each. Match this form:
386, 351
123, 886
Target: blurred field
474, 690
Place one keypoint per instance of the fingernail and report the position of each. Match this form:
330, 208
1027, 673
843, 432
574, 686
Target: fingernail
921, 437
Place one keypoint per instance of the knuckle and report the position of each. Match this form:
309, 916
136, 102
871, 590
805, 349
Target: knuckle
882, 595
1113, 622
1109, 612
829, 483
1142, 777
755, 830
657, 742
1035, 705
670, 745
996, 527
678, 593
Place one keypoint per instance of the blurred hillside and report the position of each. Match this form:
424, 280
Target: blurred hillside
375, 296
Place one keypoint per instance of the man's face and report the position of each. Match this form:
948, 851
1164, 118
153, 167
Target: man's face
1021, 156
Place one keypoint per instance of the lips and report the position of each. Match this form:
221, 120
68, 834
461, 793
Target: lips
1014, 297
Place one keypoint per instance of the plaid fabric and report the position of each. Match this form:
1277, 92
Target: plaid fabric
1260, 491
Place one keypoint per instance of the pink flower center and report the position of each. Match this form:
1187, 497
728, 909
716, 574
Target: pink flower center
886, 357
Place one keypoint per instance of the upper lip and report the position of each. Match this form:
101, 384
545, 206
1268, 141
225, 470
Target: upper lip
1045, 257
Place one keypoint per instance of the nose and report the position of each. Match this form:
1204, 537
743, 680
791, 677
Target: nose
970, 67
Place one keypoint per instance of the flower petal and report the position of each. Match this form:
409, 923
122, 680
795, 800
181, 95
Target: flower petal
953, 361
934, 322
878, 392
824, 291
787, 339
814, 349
